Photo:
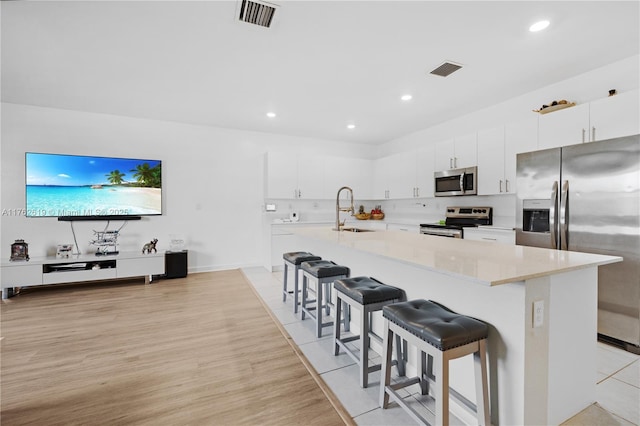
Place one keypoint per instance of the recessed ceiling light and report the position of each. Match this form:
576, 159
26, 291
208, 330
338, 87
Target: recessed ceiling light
406, 97
539, 26
271, 114
351, 126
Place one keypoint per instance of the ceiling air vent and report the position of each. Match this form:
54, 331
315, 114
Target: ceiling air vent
447, 68
258, 13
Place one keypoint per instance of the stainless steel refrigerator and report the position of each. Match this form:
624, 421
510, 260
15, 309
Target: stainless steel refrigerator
586, 198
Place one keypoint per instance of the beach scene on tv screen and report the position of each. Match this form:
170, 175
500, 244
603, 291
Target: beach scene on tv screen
70, 185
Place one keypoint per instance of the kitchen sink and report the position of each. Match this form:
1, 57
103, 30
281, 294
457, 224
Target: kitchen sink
357, 230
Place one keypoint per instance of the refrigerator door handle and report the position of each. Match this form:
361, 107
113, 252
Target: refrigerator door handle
552, 214
564, 216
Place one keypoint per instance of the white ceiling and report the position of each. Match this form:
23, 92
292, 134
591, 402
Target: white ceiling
322, 64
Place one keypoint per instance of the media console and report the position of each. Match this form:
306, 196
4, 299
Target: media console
52, 270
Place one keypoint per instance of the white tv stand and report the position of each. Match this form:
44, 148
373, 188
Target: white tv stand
87, 267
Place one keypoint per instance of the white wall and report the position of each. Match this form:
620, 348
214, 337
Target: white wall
212, 181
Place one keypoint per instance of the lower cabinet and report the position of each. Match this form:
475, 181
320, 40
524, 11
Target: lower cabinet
496, 235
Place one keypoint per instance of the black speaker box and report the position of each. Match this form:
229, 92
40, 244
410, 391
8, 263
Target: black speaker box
175, 264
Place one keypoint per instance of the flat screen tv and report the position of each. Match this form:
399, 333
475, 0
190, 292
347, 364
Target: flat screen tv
68, 186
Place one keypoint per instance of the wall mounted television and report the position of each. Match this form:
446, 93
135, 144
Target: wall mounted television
85, 187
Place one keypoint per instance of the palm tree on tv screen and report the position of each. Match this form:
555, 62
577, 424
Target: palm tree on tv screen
147, 176
115, 177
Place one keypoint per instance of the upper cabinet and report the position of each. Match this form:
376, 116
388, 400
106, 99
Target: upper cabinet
520, 136
567, 126
461, 151
396, 176
606, 118
315, 177
491, 161
425, 166
405, 175
356, 173
281, 175
614, 116
497, 150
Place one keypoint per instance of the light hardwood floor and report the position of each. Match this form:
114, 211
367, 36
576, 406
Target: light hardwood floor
198, 350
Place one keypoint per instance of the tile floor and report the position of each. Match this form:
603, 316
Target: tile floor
618, 389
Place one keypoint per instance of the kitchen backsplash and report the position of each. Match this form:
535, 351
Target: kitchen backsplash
418, 210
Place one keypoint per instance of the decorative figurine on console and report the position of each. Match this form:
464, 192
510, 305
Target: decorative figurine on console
151, 245
19, 251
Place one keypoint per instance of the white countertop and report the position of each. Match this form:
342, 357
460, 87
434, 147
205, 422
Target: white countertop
487, 263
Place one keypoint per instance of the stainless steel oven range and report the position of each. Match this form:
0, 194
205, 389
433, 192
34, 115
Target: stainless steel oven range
457, 218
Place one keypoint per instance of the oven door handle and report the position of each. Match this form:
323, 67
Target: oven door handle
462, 182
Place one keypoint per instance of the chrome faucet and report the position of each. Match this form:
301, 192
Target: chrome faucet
339, 209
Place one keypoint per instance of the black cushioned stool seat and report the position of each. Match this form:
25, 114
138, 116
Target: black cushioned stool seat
294, 259
367, 295
324, 273
443, 335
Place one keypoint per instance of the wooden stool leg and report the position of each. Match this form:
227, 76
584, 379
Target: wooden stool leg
482, 392
385, 377
442, 386
364, 347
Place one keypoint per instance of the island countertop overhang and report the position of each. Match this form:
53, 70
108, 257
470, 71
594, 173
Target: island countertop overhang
486, 263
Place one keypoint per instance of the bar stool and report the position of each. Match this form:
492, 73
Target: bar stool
294, 259
324, 272
443, 335
367, 295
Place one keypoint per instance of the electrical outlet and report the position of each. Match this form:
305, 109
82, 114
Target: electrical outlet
538, 313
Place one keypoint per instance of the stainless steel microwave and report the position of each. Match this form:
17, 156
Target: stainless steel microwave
456, 182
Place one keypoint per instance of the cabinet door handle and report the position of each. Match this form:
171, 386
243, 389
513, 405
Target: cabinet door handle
593, 133
417, 192
489, 239
500, 185
299, 194
451, 163
455, 162
583, 135
506, 185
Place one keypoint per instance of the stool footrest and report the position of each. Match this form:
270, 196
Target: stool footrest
402, 403
348, 339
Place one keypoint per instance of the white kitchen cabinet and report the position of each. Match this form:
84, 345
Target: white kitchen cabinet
520, 136
489, 234
461, 151
281, 175
425, 166
567, 126
491, 161
414, 228
304, 176
606, 118
497, 151
405, 175
356, 173
311, 177
402, 180
380, 177
614, 116
394, 176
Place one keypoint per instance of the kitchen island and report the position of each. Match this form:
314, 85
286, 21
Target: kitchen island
542, 366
